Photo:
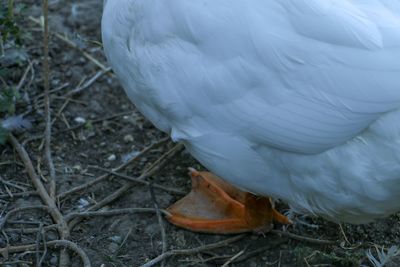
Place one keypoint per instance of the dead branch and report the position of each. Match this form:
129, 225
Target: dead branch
54, 244
160, 223
72, 44
137, 180
110, 213
17, 210
46, 86
22, 194
88, 83
303, 238
191, 251
156, 166
55, 213
105, 176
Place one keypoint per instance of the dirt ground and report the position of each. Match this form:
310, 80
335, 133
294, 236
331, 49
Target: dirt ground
97, 130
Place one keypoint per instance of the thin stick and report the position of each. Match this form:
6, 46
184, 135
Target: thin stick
105, 176
110, 213
52, 91
12, 184
191, 251
42, 232
136, 180
89, 83
73, 45
31, 230
12, 212
226, 264
46, 85
39, 136
344, 234
23, 194
258, 251
303, 238
23, 79
37, 252
50, 202
160, 223
156, 166
55, 244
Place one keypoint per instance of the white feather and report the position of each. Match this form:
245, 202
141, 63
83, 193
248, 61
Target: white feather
296, 99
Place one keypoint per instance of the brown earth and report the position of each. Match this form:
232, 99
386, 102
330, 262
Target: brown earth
97, 130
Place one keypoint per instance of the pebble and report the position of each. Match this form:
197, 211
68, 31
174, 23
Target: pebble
128, 138
112, 157
77, 168
80, 120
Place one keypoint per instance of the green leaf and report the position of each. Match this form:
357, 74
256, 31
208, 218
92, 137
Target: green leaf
3, 135
7, 97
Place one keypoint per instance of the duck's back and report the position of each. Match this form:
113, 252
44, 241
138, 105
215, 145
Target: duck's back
297, 76
302, 76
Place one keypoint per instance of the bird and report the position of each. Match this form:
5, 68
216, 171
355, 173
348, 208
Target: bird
296, 100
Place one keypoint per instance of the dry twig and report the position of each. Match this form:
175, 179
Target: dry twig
72, 44
54, 244
303, 238
191, 251
105, 176
88, 83
156, 166
110, 213
46, 86
55, 213
160, 223
17, 210
137, 180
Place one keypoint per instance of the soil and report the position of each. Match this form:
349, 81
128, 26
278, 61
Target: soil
100, 128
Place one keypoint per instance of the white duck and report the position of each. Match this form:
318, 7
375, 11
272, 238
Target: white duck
294, 99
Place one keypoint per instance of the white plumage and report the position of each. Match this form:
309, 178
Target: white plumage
294, 99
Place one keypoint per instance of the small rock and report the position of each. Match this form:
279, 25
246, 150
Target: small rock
112, 157
77, 168
264, 258
128, 138
80, 120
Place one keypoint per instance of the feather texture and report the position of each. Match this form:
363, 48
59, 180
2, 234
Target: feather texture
297, 99
15, 123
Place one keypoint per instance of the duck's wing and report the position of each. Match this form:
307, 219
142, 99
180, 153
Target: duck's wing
298, 75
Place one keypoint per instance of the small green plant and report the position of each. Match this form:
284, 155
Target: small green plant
9, 28
7, 108
10, 35
7, 100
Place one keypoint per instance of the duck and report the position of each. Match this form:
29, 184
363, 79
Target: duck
296, 100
